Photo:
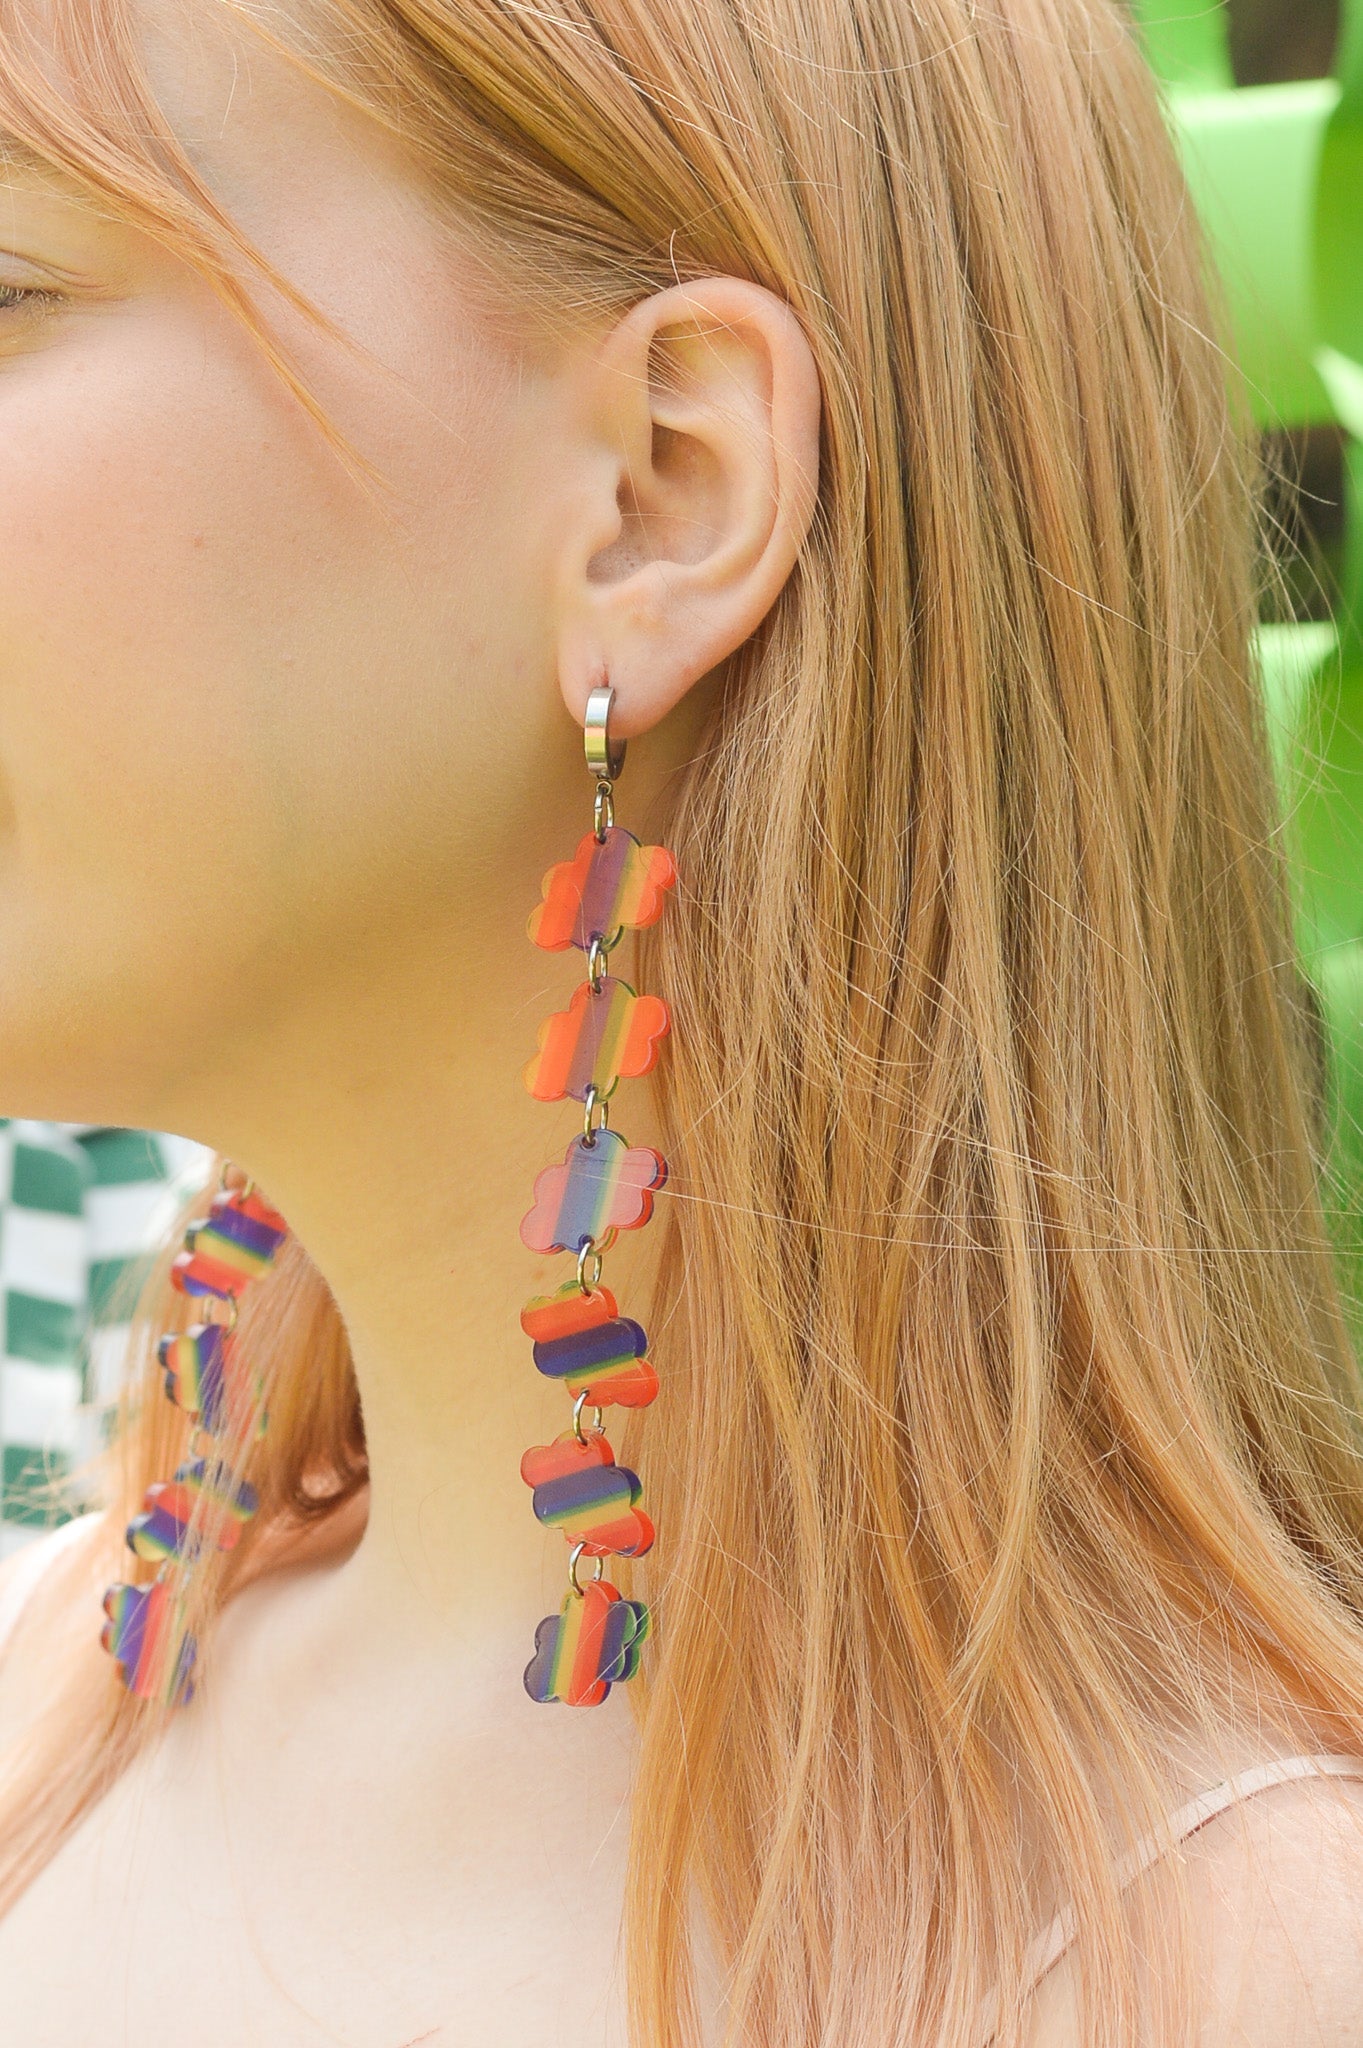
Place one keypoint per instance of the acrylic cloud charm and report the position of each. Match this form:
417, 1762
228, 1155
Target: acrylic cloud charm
583, 1340
608, 884
603, 1036
593, 1641
581, 1490
605, 1185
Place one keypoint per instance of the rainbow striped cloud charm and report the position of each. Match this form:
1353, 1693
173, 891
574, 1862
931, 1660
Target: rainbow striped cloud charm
231, 1246
140, 1635
583, 1340
609, 884
206, 1377
581, 1490
162, 1529
604, 1035
605, 1184
588, 1646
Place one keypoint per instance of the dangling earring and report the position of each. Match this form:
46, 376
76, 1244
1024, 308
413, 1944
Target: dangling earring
205, 1376
603, 1186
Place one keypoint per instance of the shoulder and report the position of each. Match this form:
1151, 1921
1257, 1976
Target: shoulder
1276, 1890
22, 1570
1275, 1893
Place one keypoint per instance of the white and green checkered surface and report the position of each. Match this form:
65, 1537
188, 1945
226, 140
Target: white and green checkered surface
80, 1205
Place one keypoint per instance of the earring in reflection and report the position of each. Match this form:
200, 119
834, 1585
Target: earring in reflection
201, 1508
603, 1185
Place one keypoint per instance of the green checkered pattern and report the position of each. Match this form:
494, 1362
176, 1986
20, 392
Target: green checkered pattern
83, 1208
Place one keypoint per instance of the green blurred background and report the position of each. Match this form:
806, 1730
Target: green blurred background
1265, 98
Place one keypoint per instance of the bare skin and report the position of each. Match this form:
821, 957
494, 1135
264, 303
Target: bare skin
280, 770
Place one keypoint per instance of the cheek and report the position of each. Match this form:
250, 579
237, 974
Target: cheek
120, 506
226, 679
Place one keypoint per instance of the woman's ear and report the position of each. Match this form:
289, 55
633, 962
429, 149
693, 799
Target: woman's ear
700, 456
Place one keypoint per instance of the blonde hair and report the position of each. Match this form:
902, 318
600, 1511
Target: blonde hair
1011, 1402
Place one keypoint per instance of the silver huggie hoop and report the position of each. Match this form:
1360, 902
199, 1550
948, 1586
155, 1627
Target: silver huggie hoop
604, 757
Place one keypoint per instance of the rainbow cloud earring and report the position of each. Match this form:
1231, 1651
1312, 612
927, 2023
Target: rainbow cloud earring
200, 1507
603, 1185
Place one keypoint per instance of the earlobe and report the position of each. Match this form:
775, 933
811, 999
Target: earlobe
700, 467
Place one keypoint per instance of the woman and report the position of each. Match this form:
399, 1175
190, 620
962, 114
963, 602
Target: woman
381, 384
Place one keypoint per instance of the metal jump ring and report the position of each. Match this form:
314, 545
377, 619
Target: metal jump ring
223, 1172
578, 1406
587, 1250
591, 1102
598, 956
229, 1301
578, 1549
603, 811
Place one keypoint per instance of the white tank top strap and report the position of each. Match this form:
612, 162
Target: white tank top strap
34, 1560
1050, 1945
